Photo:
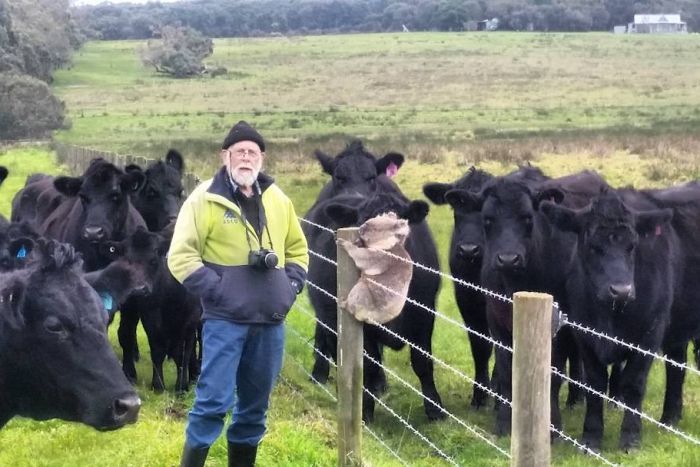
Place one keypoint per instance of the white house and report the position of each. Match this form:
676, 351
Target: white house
657, 24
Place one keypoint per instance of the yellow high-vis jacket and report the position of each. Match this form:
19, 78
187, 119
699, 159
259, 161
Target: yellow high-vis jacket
209, 253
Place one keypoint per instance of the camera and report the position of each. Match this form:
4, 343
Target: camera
263, 259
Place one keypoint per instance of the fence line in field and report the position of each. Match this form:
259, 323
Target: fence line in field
563, 317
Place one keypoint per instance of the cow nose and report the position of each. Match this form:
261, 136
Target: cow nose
469, 251
94, 233
126, 409
509, 261
622, 292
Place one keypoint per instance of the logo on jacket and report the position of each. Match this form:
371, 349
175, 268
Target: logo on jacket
230, 217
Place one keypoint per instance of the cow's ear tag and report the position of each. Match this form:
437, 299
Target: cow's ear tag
391, 170
22, 252
107, 301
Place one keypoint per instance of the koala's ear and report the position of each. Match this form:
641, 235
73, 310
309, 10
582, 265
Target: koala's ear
342, 214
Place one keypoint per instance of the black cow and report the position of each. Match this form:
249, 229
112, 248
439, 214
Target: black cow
96, 208
357, 171
466, 252
353, 171
55, 357
620, 282
685, 315
160, 199
414, 324
36, 200
170, 315
524, 252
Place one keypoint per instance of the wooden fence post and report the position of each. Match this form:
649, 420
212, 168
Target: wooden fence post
350, 345
532, 355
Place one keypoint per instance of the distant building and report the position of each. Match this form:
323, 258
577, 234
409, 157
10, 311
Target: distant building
487, 25
657, 24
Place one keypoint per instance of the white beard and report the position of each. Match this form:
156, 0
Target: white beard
246, 179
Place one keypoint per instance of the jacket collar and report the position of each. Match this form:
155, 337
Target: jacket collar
221, 185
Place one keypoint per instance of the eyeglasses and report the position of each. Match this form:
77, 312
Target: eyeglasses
241, 153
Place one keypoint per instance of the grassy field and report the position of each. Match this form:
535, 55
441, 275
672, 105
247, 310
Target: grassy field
625, 106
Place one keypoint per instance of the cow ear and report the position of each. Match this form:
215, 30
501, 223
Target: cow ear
435, 192
416, 212
112, 250
464, 200
3, 174
174, 160
342, 214
69, 186
390, 164
11, 301
554, 195
563, 218
327, 162
21, 248
652, 222
133, 181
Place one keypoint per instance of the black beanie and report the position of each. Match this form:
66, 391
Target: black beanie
241, 131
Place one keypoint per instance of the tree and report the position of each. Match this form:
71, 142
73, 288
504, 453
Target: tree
179, 52
27, 107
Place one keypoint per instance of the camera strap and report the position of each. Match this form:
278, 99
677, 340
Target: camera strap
261, 215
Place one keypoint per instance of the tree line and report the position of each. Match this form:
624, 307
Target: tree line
36, 38
236, 18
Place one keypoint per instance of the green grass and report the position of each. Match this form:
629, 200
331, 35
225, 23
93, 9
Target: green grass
625, 106
398, 88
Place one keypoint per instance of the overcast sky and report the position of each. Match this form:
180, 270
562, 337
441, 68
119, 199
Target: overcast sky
97, 2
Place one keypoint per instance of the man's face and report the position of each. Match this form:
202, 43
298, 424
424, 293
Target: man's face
243, 160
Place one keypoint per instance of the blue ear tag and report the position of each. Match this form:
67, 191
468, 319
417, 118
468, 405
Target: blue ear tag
22, 253
107, 301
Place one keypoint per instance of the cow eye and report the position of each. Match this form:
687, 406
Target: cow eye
115, 198
630, 248
84, 199
595, 249
527, 219
488, 222
54, 325
151, 193
341, 178
181, 194
371, 178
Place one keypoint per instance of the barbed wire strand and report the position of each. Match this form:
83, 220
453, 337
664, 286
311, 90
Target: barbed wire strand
335, 399
646, 417
502, 399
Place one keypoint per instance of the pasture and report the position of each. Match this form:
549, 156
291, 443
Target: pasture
562, 101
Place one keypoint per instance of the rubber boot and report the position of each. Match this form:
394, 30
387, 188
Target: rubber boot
192, 457
241, 455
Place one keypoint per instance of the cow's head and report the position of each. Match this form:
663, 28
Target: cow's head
162, 194
55, 357
104, 192
355, 170
508, 207
467, 245
348, 211
17, 243
608, 234
135, 264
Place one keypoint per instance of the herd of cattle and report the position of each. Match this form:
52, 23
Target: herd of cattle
621, 261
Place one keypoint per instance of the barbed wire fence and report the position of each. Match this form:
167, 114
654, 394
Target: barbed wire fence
77, 159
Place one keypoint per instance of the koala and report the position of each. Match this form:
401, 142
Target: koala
366, 300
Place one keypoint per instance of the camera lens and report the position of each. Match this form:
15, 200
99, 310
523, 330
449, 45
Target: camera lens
271, 260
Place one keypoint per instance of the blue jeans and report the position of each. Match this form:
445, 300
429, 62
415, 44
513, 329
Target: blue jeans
240, 363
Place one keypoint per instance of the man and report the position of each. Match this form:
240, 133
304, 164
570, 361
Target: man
231, 235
